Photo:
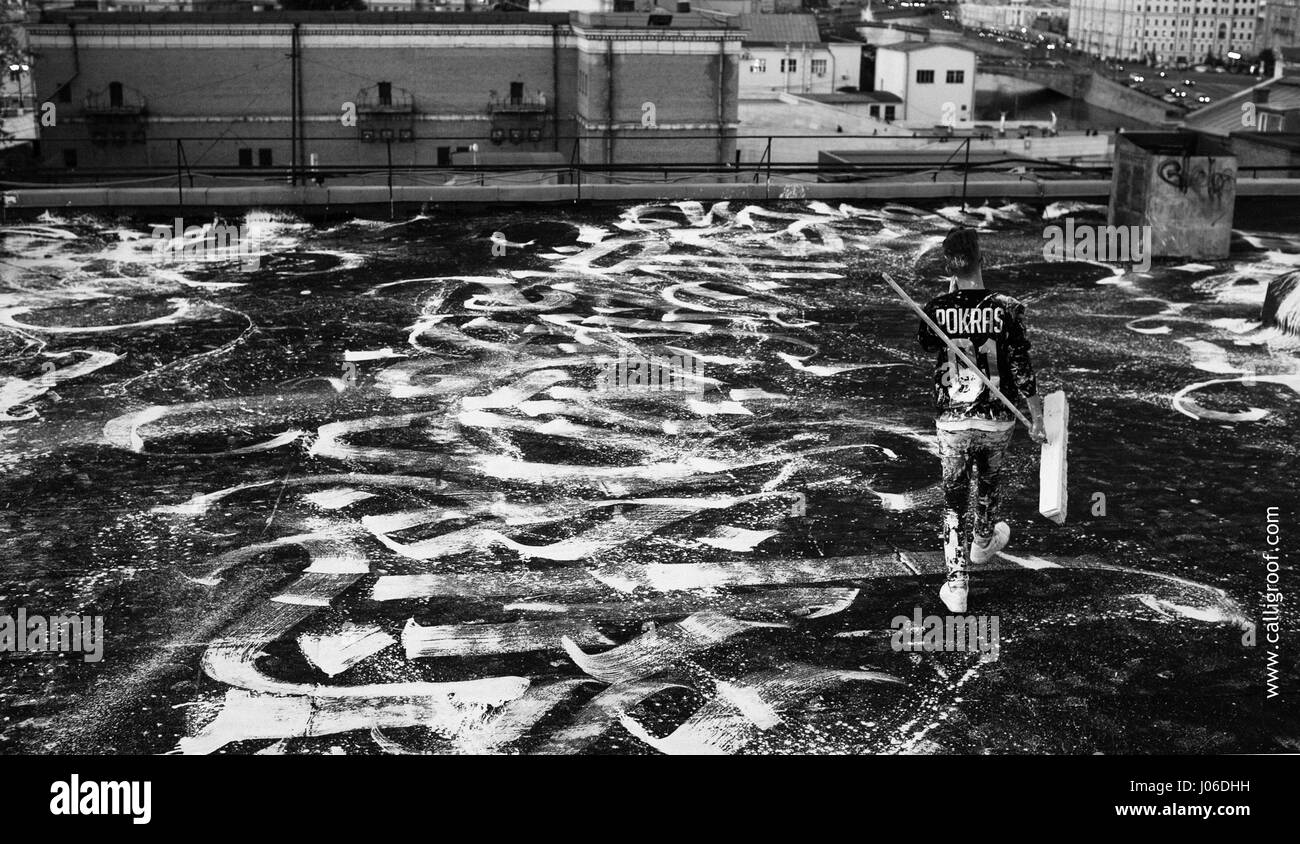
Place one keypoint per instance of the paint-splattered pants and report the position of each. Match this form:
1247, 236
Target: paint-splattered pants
962, 454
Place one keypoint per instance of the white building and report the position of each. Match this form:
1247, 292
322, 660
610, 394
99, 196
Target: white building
936, 82
1009, 16
1164, 30
784, 54
725, 8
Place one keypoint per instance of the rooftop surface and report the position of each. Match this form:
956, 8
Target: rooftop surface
1225, 116
779, 29
919, 46
376, 461
853, 98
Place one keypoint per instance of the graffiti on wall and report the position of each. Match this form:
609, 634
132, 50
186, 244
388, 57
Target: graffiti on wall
1198, 177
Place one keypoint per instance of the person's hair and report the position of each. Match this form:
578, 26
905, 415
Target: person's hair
962, 248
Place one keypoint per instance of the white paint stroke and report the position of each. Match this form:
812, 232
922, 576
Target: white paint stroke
334, 653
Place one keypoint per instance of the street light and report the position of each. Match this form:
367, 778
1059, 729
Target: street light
19, 70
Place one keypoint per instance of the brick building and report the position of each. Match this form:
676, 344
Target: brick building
255, 91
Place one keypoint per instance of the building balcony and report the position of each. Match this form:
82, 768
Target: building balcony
520, 105
115, 103
384, 101
385, 113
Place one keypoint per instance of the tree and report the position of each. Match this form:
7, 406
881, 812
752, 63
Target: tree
13, 44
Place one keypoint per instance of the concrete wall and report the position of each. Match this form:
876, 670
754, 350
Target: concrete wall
1252, 154
1186, 199
376, 197
1004, 84
688, 94
201, 83
846, 65
817, 121
1112, 96
226, 87
891, 76
1093, 89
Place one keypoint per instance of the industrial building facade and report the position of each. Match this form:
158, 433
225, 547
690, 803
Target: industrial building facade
326, 89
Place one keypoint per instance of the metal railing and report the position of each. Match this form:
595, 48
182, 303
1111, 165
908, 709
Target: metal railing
517, 105
190, 156
371, 101
128, 102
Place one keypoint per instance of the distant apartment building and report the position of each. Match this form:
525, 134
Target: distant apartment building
1163, 31
1279, 25
719, 7
335, 88
936, 82
1008, 16
785, 54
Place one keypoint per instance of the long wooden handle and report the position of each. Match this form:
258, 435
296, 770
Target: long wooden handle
970, 364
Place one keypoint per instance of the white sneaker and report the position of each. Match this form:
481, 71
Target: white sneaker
983, 549
954, 590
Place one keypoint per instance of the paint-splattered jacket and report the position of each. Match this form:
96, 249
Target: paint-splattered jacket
989, 327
